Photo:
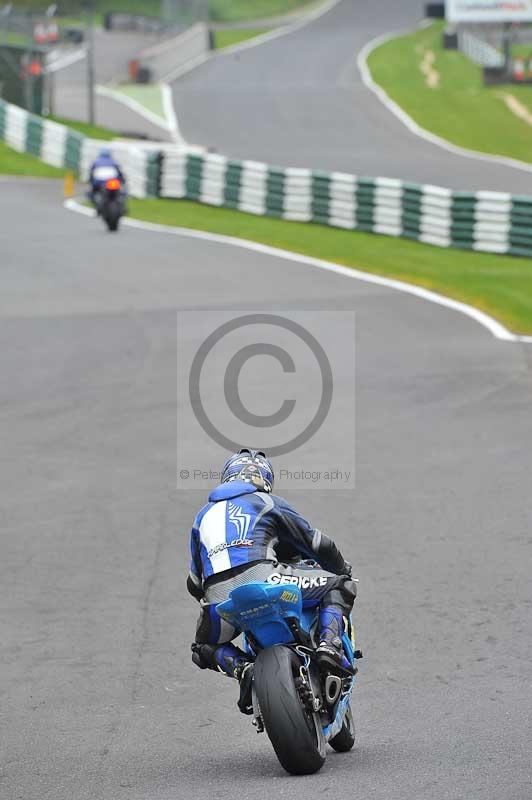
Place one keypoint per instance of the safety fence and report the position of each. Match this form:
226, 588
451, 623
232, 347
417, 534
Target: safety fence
479, 51
63, 147
492, 222
167, 58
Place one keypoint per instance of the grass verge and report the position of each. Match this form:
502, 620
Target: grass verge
15, 163
149, 96
459, 108
92, 131
219, 10
230, 37
236, 10
499, 285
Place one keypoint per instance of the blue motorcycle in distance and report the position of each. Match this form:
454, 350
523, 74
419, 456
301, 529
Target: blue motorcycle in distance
300, 707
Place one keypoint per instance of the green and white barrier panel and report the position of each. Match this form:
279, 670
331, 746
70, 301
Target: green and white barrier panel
63, 147
491, 222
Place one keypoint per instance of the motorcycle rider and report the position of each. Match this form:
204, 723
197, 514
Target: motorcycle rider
244, 534
103, 168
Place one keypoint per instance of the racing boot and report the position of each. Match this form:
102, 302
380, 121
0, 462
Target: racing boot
231, 661
330, 653
244, 675
234, 662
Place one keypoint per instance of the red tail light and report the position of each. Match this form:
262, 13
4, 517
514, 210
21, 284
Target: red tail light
113, 184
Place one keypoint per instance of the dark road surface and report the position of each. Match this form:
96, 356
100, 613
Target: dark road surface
99, 698
299, 100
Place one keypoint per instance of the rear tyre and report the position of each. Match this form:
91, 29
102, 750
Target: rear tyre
345, 739
295, 733
112, 216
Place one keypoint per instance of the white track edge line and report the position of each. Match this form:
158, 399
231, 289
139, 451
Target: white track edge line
187, 67
171, 125
66, 60
408, 122
256, 41
279, 31
170, 114
492, 325
171, 43
73, 205
134, 105
198, 61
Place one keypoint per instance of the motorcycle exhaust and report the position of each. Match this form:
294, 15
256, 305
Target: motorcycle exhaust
333, 687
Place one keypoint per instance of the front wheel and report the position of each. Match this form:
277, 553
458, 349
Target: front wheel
295, 733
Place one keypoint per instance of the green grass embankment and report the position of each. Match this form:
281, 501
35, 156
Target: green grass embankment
499, 285
219, 10
232, 36
237, 10
458, 107
14, 163
92, 131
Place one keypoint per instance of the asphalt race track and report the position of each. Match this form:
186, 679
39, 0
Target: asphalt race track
99, 699
299, 100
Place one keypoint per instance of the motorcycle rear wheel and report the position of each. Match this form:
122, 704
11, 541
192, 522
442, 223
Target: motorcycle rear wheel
112, 216
295, 733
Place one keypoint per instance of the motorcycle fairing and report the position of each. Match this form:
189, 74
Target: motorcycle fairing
261, 610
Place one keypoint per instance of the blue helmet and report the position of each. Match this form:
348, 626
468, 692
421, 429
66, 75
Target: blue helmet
250, 466
105, 153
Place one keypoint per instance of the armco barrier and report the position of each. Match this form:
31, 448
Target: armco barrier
478, 51
165, 59
60, 146
491, 222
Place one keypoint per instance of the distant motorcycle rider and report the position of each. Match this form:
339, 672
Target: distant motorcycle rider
103, 169
243, 535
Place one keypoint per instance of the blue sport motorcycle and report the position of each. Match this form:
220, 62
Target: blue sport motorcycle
301, 707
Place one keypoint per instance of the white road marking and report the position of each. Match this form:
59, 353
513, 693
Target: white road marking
65, 61
73, 205
408, 122
171, 116
166, 125
492, 325
302, 22
183, 69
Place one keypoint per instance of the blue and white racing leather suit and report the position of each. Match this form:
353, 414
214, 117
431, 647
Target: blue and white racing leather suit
103, 169
243, 535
